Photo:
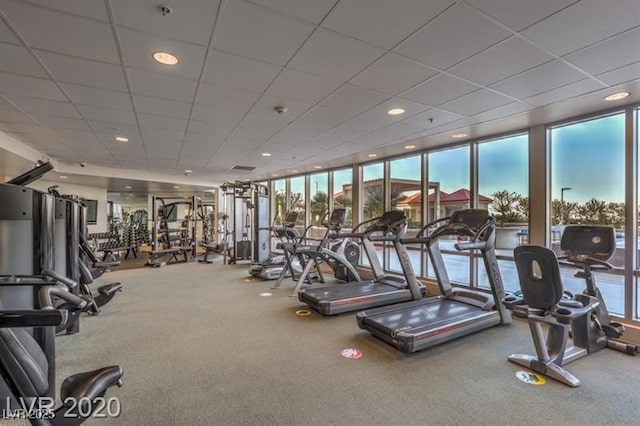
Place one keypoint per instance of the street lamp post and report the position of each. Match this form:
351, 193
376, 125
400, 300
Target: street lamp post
562, 203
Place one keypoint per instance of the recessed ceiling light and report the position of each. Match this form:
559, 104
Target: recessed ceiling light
616, 96
395, 111
275, 174
266, 154
409, 146
127, 187
121, 139
175, 187
459, 135
373, 155
165, 58
62, 177
188, 171
294, 171
317, 167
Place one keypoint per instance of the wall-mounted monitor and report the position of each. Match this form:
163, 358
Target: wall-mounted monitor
92, 211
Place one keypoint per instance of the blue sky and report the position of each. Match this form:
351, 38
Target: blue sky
588, 157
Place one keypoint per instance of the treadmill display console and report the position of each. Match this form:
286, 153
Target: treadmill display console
472, 218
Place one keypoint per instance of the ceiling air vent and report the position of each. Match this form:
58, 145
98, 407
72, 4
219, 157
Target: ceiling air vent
246, 168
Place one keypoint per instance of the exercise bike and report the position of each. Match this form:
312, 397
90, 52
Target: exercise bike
582, 317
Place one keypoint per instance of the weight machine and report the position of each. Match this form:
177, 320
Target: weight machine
246, 221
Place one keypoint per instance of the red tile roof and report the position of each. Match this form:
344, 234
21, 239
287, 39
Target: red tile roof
457, 196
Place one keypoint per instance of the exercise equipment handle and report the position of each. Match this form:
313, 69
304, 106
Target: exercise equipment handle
57, 277
470, 245
31, 318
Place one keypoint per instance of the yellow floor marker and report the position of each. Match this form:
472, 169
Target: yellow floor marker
303, 312
531, 378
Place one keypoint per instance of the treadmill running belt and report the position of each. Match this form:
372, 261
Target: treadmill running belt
352, 296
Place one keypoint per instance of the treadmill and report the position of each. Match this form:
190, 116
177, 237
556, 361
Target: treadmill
383, 289
419, 324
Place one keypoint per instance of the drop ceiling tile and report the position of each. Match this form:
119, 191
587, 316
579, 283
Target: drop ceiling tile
63, 33
216, 116
81, 71
621, 75
209, 141
566, 92
325, 116
433, 118
609, 54
504, 111
457, 34
8, 116
505, 59
383, 23
30, 86
215, 131
161, 122
120, 116
305, 130
260, 136
158, 106
302, 87
161, 85
519, 14
88, 8
6, 35
138, 50
61, 122
76, 138
313, 11
336, 136
538, 80
438, 90
225, 97
334, 56
363, 124
18, 60
239, 72
253, 31
476, 102
382, 111
392, 74
151, 136
353, 99
190, 21
27, 104
98, 97
590, 21
6, 105
272, 122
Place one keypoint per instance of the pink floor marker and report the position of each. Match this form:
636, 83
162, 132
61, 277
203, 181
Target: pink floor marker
351, 353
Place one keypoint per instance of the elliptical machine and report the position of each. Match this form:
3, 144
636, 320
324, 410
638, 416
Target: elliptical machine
335, 250
271, 268
583, 317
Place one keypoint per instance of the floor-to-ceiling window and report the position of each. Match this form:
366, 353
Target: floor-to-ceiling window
372, 196
297, 199
279, 200
343, 193
588, 187
503, 188
318, 197
449, 183
405, 185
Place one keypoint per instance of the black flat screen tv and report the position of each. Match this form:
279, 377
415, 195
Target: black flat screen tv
92, 211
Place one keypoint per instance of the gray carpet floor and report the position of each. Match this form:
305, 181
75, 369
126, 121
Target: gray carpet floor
200, 346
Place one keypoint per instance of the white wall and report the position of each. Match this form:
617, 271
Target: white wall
88, 192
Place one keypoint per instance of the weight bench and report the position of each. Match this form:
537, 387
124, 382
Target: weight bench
173, 252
